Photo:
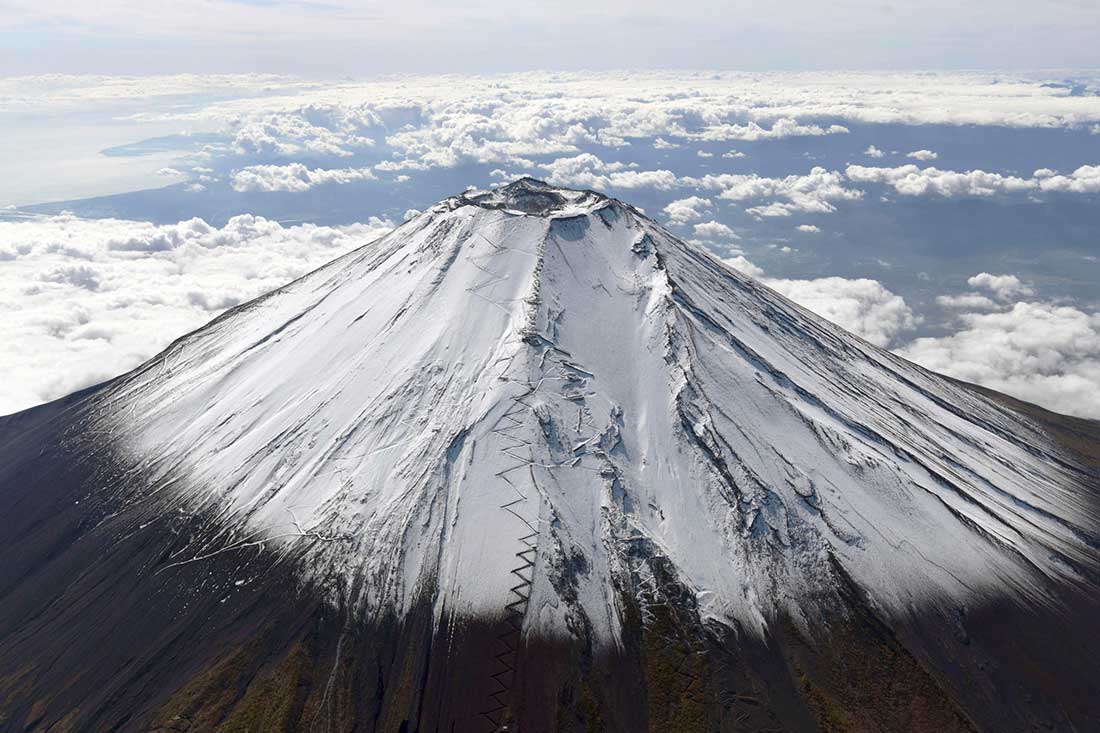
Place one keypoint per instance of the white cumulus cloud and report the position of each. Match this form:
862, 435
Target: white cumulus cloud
911, 180
294, 177
1085, 179
686, 210
814, 192
589, 171
1040, 352
742, 265
714, 230
861, 305
1003, 286
780, 129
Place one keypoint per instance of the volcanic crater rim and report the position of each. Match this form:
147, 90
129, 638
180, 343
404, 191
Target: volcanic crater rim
537, 198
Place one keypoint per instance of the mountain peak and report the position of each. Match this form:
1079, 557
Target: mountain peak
534, 197
534, 410
641, 389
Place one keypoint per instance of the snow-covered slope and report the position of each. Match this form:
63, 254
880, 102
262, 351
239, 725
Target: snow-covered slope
517, 402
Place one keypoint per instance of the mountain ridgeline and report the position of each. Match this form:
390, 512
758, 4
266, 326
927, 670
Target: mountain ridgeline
530, 462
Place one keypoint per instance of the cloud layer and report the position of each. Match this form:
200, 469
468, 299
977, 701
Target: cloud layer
1040, 352
442, 120
100, 296
294, 177
85, 300
912, 180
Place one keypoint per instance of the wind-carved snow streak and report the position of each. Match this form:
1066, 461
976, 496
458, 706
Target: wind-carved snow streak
491, 405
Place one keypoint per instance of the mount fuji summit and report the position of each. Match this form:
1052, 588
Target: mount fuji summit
531, 463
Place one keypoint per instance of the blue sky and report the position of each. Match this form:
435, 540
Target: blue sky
339, 37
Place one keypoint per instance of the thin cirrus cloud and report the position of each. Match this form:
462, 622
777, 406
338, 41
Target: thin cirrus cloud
970, 301
355, 36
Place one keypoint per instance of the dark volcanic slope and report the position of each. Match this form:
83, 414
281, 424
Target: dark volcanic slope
91, 638
530, 463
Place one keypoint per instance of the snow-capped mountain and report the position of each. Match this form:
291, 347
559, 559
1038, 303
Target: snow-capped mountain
527, 427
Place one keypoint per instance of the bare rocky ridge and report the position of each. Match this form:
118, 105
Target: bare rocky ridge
531, 461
